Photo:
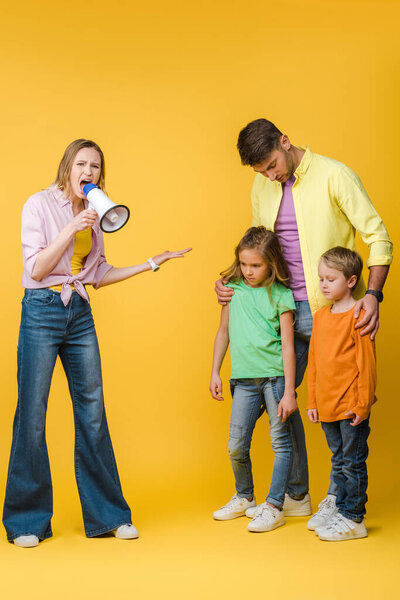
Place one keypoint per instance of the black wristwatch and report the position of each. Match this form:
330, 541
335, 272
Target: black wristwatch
378, 295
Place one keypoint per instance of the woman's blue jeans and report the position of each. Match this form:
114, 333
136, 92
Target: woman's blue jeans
248, 397
48, 329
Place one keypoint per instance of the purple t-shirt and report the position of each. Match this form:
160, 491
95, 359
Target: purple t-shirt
288, 234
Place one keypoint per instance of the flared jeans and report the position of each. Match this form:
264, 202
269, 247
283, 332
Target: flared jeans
50, 329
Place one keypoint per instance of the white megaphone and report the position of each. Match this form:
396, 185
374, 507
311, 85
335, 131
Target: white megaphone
112, 216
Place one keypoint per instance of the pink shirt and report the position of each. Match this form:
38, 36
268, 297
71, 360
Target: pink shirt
288, 234
44, 215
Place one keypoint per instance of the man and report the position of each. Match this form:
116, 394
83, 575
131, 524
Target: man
313, 203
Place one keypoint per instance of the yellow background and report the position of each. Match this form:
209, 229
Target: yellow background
164, 88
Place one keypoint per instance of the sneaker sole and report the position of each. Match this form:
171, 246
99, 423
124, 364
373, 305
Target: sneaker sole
228, 518
33, 545
297, 512
345, 539
293, 512
265, 530
249, 516
315, 527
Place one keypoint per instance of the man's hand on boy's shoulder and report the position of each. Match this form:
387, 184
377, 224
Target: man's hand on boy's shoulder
370, 321
224, 294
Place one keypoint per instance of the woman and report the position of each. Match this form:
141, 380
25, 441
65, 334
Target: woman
62, 252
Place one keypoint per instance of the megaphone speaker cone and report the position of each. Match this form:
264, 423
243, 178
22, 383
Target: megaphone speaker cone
112, 216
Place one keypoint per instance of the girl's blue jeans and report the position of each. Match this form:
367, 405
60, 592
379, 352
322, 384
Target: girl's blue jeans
297, 485
249, 396
50, 329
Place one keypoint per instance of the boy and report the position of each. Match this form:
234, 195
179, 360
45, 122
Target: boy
341, 386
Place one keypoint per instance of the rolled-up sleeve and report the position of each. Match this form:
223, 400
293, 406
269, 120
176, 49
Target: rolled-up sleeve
354, 202
103, 267
33, 235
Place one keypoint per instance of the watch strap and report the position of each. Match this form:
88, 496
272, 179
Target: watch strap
377, 293
154, 266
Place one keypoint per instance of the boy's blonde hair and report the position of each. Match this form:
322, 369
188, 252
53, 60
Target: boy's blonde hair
342, 259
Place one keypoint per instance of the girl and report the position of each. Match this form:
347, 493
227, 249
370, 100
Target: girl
258, 323
62, 252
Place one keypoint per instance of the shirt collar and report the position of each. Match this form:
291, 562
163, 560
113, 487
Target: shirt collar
62, 198
304, 163
59, 196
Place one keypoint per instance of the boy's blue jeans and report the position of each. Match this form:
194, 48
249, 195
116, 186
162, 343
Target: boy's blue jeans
249, 395
48, 328
349, 479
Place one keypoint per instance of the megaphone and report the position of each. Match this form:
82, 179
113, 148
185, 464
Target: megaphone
112, 216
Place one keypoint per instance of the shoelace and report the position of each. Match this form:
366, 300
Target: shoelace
259, 510
265, 508
234, 501
325, 507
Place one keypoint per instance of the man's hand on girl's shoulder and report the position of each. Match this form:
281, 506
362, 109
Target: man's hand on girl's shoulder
224, 294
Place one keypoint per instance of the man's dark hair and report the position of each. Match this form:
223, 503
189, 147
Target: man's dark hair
257, 140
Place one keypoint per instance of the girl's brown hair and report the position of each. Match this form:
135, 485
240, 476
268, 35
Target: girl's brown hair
64, 170
266, 242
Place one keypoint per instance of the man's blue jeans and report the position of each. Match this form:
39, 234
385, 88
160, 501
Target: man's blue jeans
298, 479
48, 328
249, 395
349, 448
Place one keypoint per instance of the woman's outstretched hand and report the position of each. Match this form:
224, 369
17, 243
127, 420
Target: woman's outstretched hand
159, 259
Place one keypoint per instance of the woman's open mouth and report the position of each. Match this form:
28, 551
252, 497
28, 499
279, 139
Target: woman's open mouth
84, 182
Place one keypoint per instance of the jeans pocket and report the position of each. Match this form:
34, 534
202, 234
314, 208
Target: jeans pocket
278, 387
40, 297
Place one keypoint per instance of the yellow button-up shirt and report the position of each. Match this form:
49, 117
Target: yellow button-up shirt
330, 203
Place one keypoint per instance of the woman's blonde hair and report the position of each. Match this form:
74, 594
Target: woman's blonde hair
266, 242
64, 169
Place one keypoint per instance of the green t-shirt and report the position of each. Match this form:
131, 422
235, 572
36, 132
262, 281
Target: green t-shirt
254, 329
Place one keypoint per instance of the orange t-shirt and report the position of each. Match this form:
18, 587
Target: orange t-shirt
341, 367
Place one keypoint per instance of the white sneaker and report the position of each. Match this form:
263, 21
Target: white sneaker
251, 512
126, 532
297, 508
26, 541
326, 510
236, 507
339, 528
266, 518
291, 507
